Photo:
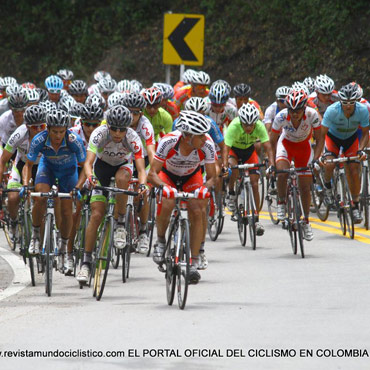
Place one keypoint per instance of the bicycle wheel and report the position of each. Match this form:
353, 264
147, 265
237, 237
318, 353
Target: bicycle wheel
317, 194
151, 221
364, 196
221, 213
116, 253
169, 259
183, 265
298, 219
261, 189
126, 252
49, 254
338, 194
272, 200
348, 208
291, 224
79, 243
212, 219
240, 214
24, 238
103, 258
251, 214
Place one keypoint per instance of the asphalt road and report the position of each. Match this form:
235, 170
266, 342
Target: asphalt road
265, 309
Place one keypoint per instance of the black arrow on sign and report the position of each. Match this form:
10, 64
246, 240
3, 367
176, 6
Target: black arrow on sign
177, 39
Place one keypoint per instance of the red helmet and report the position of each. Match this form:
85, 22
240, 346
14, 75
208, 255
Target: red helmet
296, 99
152, 95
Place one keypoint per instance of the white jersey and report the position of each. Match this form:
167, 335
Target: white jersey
224, 118
146, 133
284, 126
270, 113
4, 106
78, 129
322, 106
7, 126
175, 162
115, 154
20, 141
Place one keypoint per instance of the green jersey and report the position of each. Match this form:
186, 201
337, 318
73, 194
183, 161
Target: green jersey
161, 122
236, 136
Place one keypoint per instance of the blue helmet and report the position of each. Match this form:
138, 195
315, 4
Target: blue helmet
219, 93
54, 84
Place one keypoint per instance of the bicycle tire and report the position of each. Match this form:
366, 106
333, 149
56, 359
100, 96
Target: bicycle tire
261, 190
291, 227
183, 266
169, 259
317, 194
151, 222
79, 242
348, 214
272, 201
212, 219
298, 220
25, 238
103, 258
49, 260
364, 196
251, 211
126, 252
116, 254
241, 219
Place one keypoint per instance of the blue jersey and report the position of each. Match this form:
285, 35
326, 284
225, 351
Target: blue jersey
71, 151
342, 127
214, 132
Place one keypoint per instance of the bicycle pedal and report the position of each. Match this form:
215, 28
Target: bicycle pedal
161, 268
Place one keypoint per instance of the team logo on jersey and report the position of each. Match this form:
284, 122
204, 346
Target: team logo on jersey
72, 137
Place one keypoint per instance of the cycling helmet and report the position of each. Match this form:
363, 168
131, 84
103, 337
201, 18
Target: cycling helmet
152, 96
7, 81
66, 103
115, 99
29, 85
186, 76
134, 100
300, 86
76, 110
359, 91
196, 104
58, 118
219, 93
18, 97
33, 95
119, 116
65, 74
11, 89
93, 113
43, 94
136, 86
77, 87
47, 105
107, 85
95, 99
34, 114
242, 90
348, 92
282, 92
201, 78
101, 74
248, 114
166, 89
223, 82
296, 99
192, 123
324, 84
310, 83
124, 86
54, 84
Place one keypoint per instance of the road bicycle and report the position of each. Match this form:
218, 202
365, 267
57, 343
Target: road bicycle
365, 190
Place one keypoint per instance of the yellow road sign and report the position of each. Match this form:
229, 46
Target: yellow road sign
183, 39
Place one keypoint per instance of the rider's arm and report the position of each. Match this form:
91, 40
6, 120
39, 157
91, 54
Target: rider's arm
364, 138
268, 150
88, 166
153, 177
319, 136
140, 166
210, 175
274, 137
151, 151
5, 157
27, 172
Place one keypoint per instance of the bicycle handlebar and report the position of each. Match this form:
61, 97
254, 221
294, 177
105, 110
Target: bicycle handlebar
50, 194
342, 159
116, 190
245, 166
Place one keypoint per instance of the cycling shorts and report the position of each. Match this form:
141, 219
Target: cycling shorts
187, 183
248, 155
15, 178
333, 144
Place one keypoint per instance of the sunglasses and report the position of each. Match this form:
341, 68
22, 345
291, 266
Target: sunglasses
91, 124
299, 110
154, 106
120, 129
54, 91
201, 86
18, 109
218, 105
36, 127
348, 102
135, 112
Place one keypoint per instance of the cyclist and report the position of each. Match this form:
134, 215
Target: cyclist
157, 116
240, 138
106, 87
310, 84
54, 86
78, 90
136, 103
242, 93
34, 118
324, 94
176, 166
185, 80
199, 82
4, 83
167, 103
33, 96
67, 76
124, 86
295, 126
273, 109
61, 151
110, 154
218, 106
339, 128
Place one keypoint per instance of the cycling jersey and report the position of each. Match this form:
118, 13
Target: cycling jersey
172, 109
236, 136
342, 127
283, 124
7, 126
78, 129
107, 150
184, 93
178, 86
161, 122
146, 133
322, 107
224, 118
270, 113
250, 101
4, 106
168, 152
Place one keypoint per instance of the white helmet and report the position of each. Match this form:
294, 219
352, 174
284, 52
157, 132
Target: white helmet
248, 114
310, 83
196, 104
300, 86
324, 84
201, 78
191, 122
282, 92
186, 76
124, 86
